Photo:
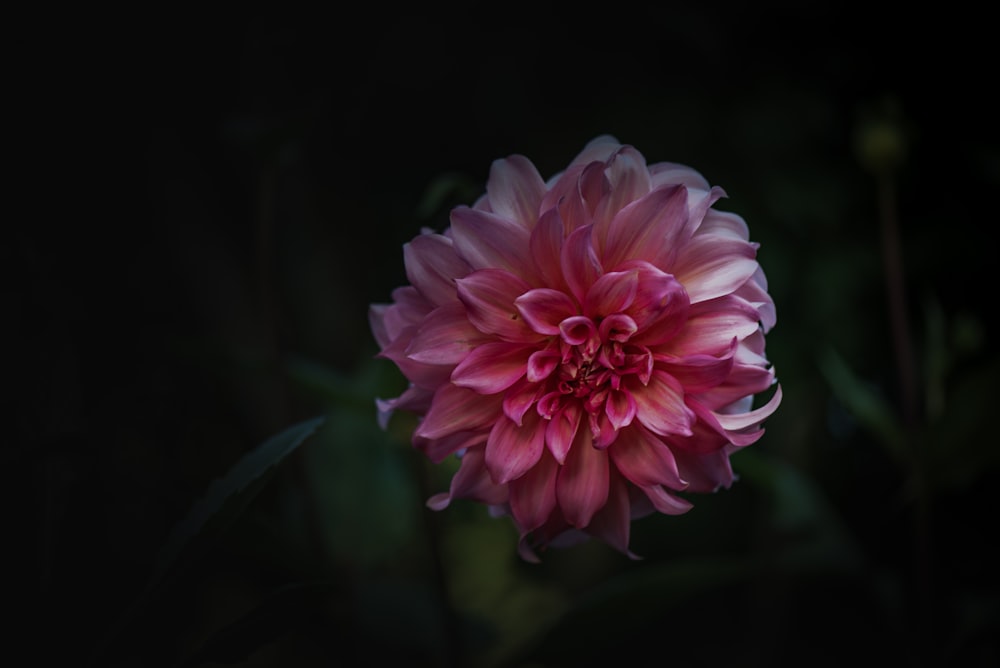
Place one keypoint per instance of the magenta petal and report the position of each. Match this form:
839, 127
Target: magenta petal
561, 431
515, 189
645, 459
520, 398
432, 267
458, 409
489, 296
511, 449
533, 495
661, 405
542, 363
546, 249
543, 309
621, 408
492, 367
582, 486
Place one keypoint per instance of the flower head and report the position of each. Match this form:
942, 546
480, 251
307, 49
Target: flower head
589, 346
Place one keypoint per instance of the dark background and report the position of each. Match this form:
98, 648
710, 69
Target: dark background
211, 202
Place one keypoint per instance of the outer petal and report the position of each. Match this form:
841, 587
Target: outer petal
711, 266
661, 406
515, 189
712, 326
543, 309
511, 449
471, 481
612, 523
533, 495
458, 409
445, 337
432, 267
487, 240
646, 229
645, 459
582, 487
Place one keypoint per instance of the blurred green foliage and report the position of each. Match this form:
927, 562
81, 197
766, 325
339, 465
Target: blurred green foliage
265, 172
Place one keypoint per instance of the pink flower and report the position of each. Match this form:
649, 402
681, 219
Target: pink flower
589, 346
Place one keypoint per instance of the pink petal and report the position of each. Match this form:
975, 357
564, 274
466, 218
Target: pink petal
660, 305
611, 293
520, 398
612, 523
665, 502
492, 367
751, 418
582, 486
712, 326
661, 407
471, 481
670, 173
419, 373
542, 363
699, 373
489, 296
546, 248
432, 267
533, 495
487, 240
437, 449
445, 337
579, 262
706, 472
511, 449
645, 459
560, 433
458, 409
724, 223
711, 266
629, 179
646, 229
543, 309
621, 408
515, 189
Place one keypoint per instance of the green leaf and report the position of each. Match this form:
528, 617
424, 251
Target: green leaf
224, 500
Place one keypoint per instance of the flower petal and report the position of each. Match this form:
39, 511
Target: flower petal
432, 267
611, 293
661, 407
712, 326
487, 240
580, 266
582, 485
665, 502
646, 229
489, 296
511, 449
471, 481
712, 266
515, 189
457, 408
612, 523
533, 495
445, 336
645, 459
560, 433
492, 367
543, 309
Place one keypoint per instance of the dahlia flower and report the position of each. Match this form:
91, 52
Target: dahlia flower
589, 346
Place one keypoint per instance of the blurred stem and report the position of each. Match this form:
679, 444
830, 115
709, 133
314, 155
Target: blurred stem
907, 376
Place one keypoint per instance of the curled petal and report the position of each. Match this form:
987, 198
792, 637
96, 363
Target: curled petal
561, 431
611, 293
621, 408
492, 367
712, 266
665, 502
543, 309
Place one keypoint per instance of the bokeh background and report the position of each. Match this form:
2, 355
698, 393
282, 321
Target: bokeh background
225, 195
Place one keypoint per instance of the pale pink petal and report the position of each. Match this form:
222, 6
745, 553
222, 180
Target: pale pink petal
432, 267
582, 485
665, 502
724, 223
699, 373
645, 459
670, 173
661, 407
515, 189
492, 367
712, 326
458, 409
752, 418
546, 250
629, 180
711, 266
543, 309
511, 449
